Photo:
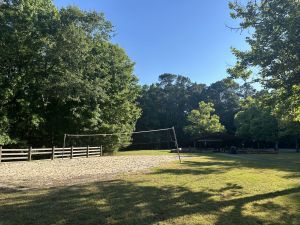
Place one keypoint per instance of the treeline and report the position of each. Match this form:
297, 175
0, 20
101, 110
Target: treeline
168, 102
250, 117
247, 118
59, 73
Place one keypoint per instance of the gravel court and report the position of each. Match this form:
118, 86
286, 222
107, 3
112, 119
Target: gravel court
63, 172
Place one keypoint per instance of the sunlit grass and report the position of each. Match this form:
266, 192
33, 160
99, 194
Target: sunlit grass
144, 152
207, 189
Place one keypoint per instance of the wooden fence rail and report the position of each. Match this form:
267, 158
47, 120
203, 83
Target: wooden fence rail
48, 153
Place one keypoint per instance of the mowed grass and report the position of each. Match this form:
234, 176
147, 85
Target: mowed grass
204, 189
144, 152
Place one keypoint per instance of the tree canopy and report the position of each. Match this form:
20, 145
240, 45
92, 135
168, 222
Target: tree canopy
61, 74
274, 27
274, 50
256, 123
203, 122
165, 103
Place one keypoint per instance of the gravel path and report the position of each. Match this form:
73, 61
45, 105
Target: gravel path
60, 172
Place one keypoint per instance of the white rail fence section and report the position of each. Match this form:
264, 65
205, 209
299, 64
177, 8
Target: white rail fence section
30, 153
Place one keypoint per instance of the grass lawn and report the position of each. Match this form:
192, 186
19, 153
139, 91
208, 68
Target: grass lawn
204, 189
144, 152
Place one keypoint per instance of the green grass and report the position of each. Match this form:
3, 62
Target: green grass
144, 152
207, 189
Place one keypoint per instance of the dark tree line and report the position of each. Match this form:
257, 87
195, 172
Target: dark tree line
261, 117
168, 102
246, 114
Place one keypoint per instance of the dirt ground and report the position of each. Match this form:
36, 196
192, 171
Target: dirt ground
63, 172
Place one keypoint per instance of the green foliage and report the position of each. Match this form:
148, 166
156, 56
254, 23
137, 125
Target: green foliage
288, 128
203, 122
225, 95
60, 74
254, 122
274, 50
165, 103
290, 110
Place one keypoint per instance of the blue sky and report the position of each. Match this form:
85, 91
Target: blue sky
187, 37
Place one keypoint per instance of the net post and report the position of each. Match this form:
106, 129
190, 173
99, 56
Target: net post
0, 152
71, 155
29, 153
176, 144
64, 145
53, 153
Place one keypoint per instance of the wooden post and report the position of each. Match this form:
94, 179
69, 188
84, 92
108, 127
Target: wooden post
101, 151
0, 152
53, 152
29, 153
71, 155
87, 151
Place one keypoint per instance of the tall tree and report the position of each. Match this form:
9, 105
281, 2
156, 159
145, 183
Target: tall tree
27, 32
224, 95
60, 74
274, 49
203, 122
256, 123
165, 103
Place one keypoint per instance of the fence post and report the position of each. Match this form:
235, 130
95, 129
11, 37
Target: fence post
71, 155
0, 152
29, 153
101, 151
53, 152
87, 151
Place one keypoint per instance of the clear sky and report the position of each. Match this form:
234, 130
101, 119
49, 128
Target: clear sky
187, 37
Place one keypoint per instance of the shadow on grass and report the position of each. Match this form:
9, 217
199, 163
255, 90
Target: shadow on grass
119, 202
136, 203
11, 190
199, 168
282, 161
220, 163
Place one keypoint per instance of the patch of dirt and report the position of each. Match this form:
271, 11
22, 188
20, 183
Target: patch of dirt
63, 172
